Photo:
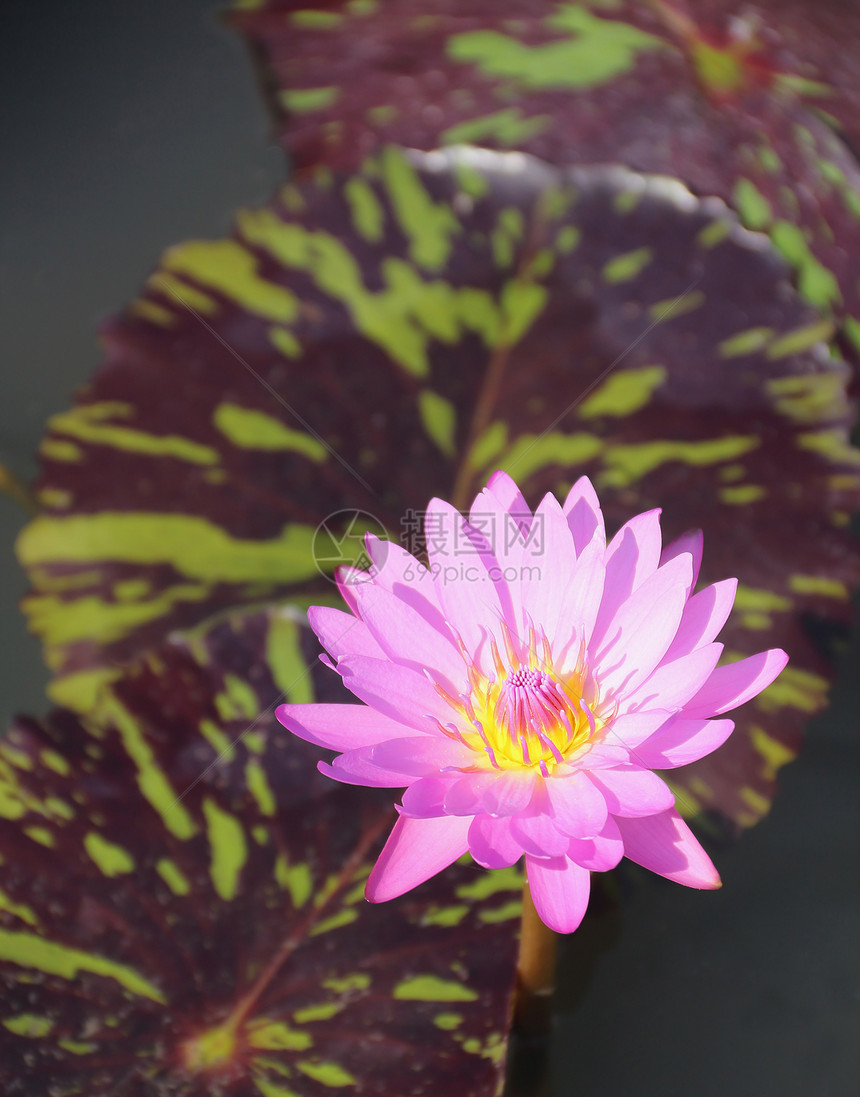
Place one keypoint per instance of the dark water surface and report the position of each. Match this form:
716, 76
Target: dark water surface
128, 127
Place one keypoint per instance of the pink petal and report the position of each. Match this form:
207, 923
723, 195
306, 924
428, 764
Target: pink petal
682, 741
633, 728
418, 756
493, 792
692, 542
397, 762
703, 617
633, 792
425, 798
538, 835
501, 512
491, 842
397, 571
632, 556
416, 850
672, 685
579, 809
407, 638
641, 631
559, 890
453, 546
356, 768
399, 692
504, 489
598, 756
735, 683
347, 579
665, 845
506, 538
547, 564
579, 605
600, 853
340, 727
583, 513
343, 634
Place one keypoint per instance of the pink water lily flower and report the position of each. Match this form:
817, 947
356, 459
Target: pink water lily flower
524, 687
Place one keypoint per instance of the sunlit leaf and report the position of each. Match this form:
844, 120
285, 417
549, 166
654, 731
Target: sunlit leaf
754, 101
367, 342
182, 903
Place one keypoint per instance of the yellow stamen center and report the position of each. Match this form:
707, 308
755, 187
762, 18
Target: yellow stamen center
526, 715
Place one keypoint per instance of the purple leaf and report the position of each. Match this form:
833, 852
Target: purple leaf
182, 905
756, 102
371, 341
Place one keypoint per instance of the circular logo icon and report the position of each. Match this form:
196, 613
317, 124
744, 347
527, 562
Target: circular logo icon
339, 542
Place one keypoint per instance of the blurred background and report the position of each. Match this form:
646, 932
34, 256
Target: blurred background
129, 127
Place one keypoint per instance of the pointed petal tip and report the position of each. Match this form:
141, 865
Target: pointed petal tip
584, 486
502, 491
775, 662
708, 881
372, 545
291, 717
582, 491
733, 684
372, 898
500, 477
779, 654
665, 844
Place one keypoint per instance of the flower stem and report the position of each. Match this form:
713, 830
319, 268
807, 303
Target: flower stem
535, 973
527, 1072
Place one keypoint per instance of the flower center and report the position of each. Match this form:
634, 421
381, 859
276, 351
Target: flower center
534, 719
526, 715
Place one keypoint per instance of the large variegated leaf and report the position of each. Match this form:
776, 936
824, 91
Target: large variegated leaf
182, 909
370, 341
737, 98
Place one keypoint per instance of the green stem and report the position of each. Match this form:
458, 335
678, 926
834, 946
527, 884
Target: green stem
535, 973
527, 1072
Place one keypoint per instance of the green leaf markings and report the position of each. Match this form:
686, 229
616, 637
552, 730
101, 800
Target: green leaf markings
439, 329
580, 83
235, 949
